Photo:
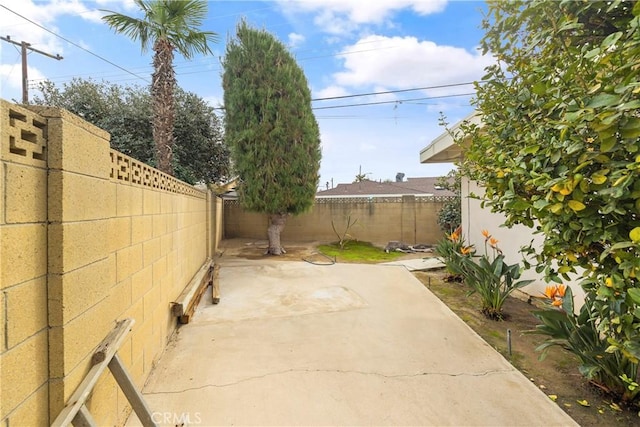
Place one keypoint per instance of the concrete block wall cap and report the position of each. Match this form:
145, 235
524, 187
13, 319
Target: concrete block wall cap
60, 113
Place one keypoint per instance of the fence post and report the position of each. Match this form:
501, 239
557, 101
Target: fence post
408, 219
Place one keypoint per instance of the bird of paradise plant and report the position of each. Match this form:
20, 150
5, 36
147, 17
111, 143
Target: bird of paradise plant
601, 363
489, 276
450, 247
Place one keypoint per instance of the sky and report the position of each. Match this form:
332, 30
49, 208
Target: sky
381, 72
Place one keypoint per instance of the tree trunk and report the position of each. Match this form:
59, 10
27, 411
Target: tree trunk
162, 92
276, 225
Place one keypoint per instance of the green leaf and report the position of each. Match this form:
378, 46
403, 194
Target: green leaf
576, 206
593, 52
539, 88
631, 129
634, 235
607, 144
611, 39
631, 105
532, 149
567, 301
519, 205
573, 116
542, 203
598, 179
555, 208
634, 293
603, 100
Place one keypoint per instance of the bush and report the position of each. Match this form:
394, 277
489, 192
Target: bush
600, 363
449, 248
450, 215
489, 276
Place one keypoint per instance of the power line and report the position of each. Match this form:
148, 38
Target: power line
24, 46
75, 44
179, 65
394, 91
398, 101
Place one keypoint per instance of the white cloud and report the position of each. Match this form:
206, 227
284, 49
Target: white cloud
340, 17
214, 101
15, 20
11, 79
113, 4
295, 40
406, 62
330, 91
354, 11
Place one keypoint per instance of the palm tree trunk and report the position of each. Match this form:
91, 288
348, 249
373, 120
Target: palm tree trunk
276, 225
162, 92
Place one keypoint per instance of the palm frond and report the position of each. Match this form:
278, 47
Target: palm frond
175, 21
134, 28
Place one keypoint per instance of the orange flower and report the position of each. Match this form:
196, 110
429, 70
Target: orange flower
561, 289
557, 303
493, 241
486, 234
466, 250
550, 292
454, 236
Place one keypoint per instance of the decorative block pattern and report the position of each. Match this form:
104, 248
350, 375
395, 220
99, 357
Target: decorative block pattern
380, 199
369, 199
125, 169
26, 134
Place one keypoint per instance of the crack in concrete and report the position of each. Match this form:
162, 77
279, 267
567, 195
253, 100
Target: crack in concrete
339, 371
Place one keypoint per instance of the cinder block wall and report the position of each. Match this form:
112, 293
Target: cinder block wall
89, 236
409, 219
24, 335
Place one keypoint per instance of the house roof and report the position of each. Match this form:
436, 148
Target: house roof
443, 149
418, 186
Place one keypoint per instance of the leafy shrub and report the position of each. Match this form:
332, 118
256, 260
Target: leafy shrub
489, 276
449, 248
450, 215
600, 362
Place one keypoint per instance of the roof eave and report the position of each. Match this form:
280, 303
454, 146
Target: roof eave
444, 149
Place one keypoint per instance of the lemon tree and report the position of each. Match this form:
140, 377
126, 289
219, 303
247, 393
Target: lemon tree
559, 150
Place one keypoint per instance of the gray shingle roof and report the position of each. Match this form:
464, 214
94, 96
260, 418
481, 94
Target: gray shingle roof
426, 185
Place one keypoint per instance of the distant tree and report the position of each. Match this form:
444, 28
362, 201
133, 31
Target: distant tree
360, 177
167, 25
125, 112
271, 129
450, 215
201, 154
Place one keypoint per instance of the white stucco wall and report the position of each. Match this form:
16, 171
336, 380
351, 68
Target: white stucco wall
475, 219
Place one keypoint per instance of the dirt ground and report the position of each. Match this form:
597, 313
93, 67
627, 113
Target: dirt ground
296, 251
557, 375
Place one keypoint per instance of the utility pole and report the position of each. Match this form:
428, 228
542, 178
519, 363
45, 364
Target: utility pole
24, 47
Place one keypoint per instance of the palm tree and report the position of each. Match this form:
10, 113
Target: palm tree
168, 25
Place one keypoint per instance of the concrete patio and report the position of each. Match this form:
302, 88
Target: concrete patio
292, 343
